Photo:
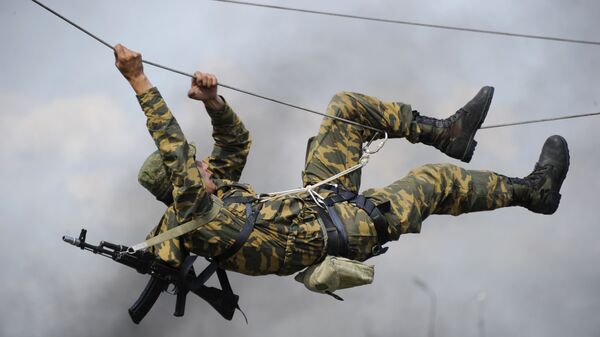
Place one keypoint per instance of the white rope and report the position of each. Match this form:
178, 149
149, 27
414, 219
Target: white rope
310, 189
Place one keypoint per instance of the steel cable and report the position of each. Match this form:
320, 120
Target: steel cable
412, 23
534, 121
285, 103
220, 84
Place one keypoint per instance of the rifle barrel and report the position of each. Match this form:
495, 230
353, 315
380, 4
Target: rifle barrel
71, 240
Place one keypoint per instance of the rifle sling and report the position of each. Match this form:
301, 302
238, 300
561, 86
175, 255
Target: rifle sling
181, 229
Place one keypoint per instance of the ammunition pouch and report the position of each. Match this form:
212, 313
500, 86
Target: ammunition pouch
338, 270
335, 273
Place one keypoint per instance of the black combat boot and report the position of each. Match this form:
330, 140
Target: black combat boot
538, 192
455, 135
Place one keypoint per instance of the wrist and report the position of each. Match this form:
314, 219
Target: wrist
214, 103
140, 83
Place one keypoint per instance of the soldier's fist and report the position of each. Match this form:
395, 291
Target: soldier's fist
128, 62
204, 87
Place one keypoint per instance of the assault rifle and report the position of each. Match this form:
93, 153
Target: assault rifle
161, 276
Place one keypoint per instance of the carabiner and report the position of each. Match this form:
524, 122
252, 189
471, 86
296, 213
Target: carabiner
366, 148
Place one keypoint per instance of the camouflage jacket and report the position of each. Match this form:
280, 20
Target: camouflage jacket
287, 235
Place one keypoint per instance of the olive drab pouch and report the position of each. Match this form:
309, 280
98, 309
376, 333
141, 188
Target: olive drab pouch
335, 273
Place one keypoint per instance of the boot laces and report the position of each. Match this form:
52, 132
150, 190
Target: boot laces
450, 120
539, 173
439, 123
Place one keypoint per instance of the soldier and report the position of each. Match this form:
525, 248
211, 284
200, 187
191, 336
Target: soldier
290, 233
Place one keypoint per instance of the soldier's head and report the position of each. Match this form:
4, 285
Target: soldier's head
153, 176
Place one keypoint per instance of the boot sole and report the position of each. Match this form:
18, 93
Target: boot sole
550, 206
556, 196
566, 149
471, 142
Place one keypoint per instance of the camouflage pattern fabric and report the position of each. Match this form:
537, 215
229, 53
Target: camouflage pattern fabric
440, 189
287, 236
431, 189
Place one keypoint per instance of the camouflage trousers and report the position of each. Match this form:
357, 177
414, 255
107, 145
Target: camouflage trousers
430, 189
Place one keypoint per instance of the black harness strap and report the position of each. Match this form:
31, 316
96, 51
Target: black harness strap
341, 235
336, 245
243, 235
375, 212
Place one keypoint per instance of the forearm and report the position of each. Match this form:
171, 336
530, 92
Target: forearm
220, 113
131, 67
214, 104
232, 143
178, 156
140, 84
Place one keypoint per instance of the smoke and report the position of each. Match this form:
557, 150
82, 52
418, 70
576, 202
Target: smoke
74, 138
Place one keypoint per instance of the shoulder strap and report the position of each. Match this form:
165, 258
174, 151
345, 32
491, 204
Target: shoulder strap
238, 199
242, 236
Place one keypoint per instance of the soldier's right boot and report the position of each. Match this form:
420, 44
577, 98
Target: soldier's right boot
539, 191
455, 135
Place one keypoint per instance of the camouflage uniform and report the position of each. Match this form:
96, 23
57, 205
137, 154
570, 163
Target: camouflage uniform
430, 189
287, 236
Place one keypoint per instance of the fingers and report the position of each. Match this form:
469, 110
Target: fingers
199, 78
191, 92
205, 80
194, 92
197, 75
125, 54
128, 62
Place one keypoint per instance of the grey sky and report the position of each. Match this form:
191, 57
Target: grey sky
74, 138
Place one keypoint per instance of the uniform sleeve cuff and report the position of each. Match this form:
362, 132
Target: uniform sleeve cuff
221, 116
147, 97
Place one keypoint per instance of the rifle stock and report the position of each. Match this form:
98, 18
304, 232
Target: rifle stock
223, 304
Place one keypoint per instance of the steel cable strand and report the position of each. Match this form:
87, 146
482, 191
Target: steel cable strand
288, 104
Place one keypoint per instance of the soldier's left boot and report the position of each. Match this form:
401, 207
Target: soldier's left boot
539, 191
455, 135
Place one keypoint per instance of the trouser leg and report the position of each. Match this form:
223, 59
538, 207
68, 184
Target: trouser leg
440, 189
338, 145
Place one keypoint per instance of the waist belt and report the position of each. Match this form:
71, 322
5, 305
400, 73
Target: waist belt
339, 236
